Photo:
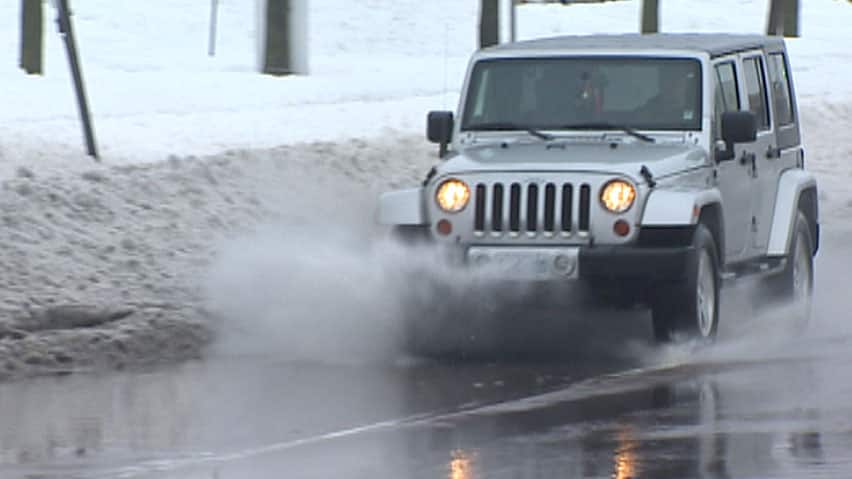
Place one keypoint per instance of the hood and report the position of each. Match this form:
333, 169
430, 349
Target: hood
611, 158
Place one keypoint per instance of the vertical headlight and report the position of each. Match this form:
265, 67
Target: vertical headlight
452, 195
618, 196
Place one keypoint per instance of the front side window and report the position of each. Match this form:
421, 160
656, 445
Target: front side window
756, 92
727, 98
584, 92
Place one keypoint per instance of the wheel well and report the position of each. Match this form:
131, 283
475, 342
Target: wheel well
809, 207
711, 217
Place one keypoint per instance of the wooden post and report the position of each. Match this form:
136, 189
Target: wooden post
775, 19
67, 32
277, 55
791, 18
489, 23
32, 20
284, 35
650, 16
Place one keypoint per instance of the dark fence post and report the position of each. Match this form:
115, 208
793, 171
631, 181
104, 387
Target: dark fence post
650, 16
67, 32
284, 49
791, 18
32, 18
489, 23
775, 20
277, 58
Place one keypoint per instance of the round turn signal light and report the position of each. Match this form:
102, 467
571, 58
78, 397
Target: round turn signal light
621, 228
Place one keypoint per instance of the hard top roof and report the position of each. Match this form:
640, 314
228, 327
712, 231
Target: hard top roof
715, 44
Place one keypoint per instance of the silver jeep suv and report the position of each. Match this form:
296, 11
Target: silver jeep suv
650, 168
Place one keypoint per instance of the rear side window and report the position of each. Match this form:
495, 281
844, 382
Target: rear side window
780, 84
727, 97
754, 82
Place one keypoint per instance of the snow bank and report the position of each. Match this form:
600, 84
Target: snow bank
144, 238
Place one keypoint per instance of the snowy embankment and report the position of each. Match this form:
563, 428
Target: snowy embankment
137, 242
131, 244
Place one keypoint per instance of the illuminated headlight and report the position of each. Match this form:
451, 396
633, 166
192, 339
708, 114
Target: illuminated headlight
618, 196
453, 195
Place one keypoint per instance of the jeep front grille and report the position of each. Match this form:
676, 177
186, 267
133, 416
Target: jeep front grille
514, 209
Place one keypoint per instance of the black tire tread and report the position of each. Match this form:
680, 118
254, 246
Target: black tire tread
673, 308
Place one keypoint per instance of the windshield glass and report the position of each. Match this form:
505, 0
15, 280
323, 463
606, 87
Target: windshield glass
584, 93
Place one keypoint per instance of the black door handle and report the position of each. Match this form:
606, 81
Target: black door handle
750, 159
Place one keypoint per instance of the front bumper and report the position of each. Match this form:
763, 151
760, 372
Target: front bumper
587, 262
631, 262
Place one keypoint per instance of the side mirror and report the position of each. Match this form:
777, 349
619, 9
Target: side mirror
737, 127
439, 129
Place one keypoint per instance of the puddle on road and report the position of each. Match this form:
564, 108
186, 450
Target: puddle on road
755, 383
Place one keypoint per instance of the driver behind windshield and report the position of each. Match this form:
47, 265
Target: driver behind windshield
674, 102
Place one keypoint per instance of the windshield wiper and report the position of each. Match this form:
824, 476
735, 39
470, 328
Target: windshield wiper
506, 126
608, 126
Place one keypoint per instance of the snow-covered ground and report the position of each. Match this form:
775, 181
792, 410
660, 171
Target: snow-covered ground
192, 145
376, 66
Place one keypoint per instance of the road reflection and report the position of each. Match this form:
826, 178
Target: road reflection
728, 421
463, 465
625, 459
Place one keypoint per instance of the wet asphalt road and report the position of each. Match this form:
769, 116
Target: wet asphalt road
758, 404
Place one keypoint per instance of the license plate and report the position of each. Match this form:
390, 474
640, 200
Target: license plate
526, 262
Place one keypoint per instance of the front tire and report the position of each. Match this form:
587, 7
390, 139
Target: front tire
691, 310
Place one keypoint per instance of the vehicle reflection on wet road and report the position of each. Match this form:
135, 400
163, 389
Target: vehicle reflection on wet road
758, 404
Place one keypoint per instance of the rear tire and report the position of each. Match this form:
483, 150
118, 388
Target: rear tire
691, 310
794, 285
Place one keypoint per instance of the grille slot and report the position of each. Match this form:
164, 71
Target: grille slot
585, 197
497, 208
479, 209
532, 208
515, 208
567, 208
549, 207
535, 209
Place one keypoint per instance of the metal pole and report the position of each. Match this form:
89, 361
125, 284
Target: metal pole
67, 32
513, 21
214, 20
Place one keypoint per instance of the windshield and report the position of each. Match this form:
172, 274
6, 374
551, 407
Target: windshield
584, 93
